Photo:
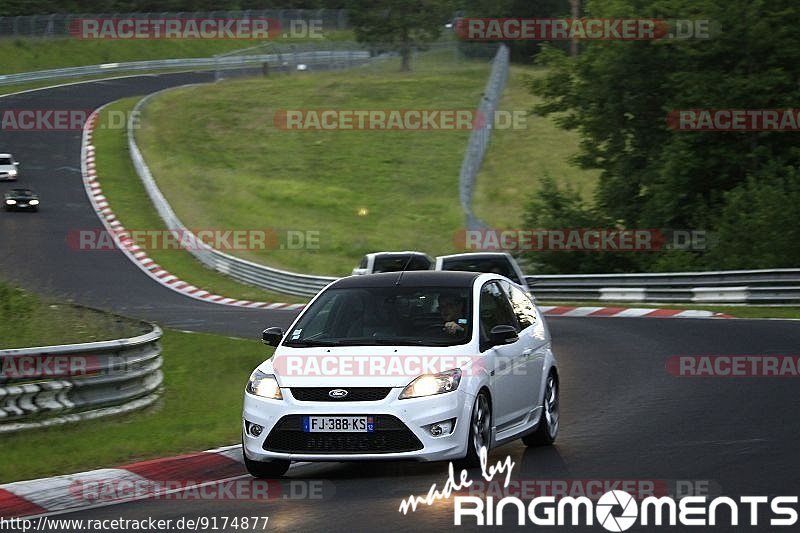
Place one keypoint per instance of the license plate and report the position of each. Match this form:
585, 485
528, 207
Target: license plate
338, 424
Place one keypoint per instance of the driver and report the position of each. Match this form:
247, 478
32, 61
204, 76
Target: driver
451, 309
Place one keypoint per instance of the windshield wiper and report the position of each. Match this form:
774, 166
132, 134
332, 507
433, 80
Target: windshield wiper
310, 343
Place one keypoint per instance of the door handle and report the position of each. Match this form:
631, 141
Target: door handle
527, 352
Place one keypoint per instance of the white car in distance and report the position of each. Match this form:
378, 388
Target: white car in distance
8, 168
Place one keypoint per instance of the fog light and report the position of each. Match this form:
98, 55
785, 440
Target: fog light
444, 427
254, 429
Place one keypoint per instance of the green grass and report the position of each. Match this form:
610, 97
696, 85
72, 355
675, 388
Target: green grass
200, 408
27, 320
738, 311
223, 164
29, 54
518, 158
133, 208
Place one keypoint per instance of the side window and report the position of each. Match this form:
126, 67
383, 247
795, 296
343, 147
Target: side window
494, 309
522, 306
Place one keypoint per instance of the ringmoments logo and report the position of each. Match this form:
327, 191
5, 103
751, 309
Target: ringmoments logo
615, 510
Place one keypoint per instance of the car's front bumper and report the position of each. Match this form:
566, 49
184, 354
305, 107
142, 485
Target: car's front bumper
417, 414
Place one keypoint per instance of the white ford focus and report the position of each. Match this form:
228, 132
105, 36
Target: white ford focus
415, 365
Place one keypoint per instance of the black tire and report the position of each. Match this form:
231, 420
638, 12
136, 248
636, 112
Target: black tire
480, 430
266, 469
547, 431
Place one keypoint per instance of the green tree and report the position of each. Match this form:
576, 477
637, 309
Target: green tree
554, 208
617, 95
521, 51
399, 24
759, 225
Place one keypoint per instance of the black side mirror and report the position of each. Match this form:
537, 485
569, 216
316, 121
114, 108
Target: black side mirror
503, 334
272, 336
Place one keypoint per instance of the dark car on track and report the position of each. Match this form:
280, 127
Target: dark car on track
21, 200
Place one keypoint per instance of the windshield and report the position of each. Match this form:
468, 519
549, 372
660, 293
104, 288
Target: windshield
396, 263
494, 265
6, 161
371, 316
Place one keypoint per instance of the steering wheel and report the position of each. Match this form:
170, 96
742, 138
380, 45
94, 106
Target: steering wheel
438, 327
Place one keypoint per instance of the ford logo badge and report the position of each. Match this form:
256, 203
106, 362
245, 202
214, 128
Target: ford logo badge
337, 393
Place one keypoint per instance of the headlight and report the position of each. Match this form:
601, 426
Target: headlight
264, 385
33, 202
430, 384
12, 172
11, 202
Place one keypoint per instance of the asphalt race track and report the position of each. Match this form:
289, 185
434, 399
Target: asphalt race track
623, 416
34, 251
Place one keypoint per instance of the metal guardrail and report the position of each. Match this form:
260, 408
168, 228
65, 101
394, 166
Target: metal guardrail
772, 286
740, 286
302, 284
198, 63
479, 137
242, 270
53, 385
58, 25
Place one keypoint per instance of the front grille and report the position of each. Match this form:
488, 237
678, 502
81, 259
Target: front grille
354, 394
390, 436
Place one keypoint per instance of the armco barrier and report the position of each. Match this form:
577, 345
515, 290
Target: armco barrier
741, 286
772, 286
245, 271
52, 385
219, 63
479, 137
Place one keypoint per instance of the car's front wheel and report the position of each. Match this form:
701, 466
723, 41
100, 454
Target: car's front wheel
266, 469
547, 431
480, 430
